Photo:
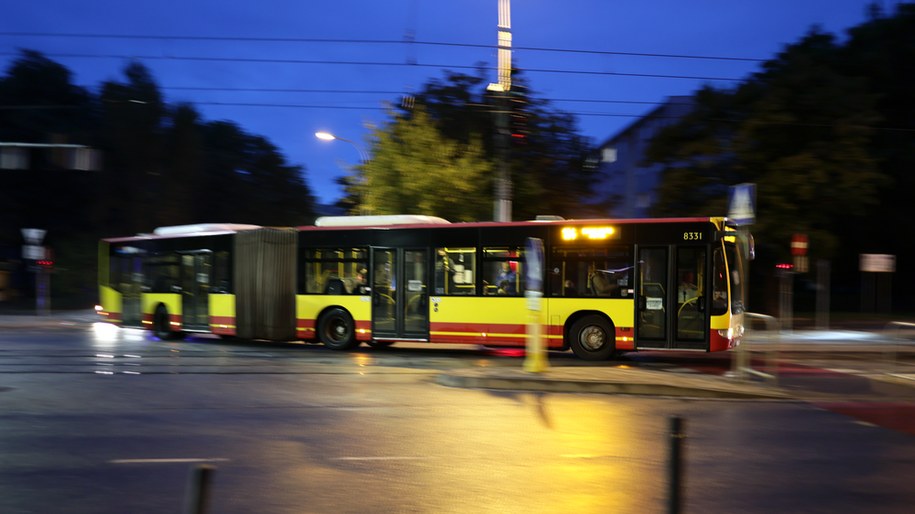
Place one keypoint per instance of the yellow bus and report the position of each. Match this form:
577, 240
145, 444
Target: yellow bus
607, 286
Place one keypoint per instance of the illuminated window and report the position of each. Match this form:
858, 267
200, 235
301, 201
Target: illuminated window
608, 154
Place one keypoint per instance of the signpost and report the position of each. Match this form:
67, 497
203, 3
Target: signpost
33, 252
876, 281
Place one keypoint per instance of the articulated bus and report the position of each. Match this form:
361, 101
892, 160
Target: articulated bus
607, 286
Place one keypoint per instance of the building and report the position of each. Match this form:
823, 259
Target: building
629, 186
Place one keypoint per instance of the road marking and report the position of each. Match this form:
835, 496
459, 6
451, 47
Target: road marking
166, 461
392, 457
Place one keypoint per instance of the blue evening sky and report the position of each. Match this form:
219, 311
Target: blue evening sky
230, 36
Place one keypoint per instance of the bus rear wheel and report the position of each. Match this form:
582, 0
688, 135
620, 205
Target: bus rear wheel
592, 338
162, 327
337, 330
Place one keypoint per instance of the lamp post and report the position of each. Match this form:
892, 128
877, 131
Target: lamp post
363, 159
327, 136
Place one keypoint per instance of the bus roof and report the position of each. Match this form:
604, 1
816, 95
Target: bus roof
419, 221
197, 229
379, 220
202, 228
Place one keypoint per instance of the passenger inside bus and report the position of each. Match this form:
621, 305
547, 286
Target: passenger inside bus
506, 280
361, 285
601, 283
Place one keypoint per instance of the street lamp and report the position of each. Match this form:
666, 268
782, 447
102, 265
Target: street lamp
327, 136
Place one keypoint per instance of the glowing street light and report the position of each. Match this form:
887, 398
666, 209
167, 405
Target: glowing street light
327, 136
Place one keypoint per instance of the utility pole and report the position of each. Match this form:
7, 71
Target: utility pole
502, 210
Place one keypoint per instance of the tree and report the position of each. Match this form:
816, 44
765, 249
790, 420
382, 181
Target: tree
547, 169
825, 131
162, 165
416, 170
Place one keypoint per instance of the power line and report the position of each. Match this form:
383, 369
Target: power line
597, 114
372, 63
391, 92
258, 39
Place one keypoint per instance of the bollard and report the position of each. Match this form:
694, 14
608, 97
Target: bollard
675, 482
198, 498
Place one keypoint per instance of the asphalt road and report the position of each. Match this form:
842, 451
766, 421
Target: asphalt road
94, 421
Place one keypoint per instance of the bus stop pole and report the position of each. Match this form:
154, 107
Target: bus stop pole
535, 360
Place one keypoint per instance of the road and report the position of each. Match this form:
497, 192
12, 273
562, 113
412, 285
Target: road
99, 421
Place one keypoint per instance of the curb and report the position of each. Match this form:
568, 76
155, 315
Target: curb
639, 383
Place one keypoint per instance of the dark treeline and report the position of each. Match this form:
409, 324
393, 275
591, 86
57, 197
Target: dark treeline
159, 164
826, 130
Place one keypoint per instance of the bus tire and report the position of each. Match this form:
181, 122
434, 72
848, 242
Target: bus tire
161, 325
592, 338
337, 330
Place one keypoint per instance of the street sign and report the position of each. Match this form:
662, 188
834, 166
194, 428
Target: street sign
799, 244
33, 236
742, 205
34, 252
878, 263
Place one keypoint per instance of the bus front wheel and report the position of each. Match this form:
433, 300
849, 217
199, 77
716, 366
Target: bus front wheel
337, 330
592, 338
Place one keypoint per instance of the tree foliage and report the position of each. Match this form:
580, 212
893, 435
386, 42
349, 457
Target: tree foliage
825, 130
416, 170
161, 165
446, 137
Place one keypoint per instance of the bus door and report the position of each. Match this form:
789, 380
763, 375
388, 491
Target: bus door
691, 319
671, 301
400, 295
130, 283
196, 269
652, 298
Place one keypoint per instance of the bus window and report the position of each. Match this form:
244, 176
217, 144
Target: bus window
502, 271
690, 274
719, 284
334, 271
736, 269
455, 271
162, 272
580, 272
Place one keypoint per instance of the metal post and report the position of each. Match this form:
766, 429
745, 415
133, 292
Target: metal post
823, 291
786, 300
198, 499
503, 184
675, 465
42, 291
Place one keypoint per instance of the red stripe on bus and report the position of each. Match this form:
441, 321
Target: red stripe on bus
223, 325
480, 328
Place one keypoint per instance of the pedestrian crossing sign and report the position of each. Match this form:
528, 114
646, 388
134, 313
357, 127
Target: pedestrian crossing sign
742, 205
